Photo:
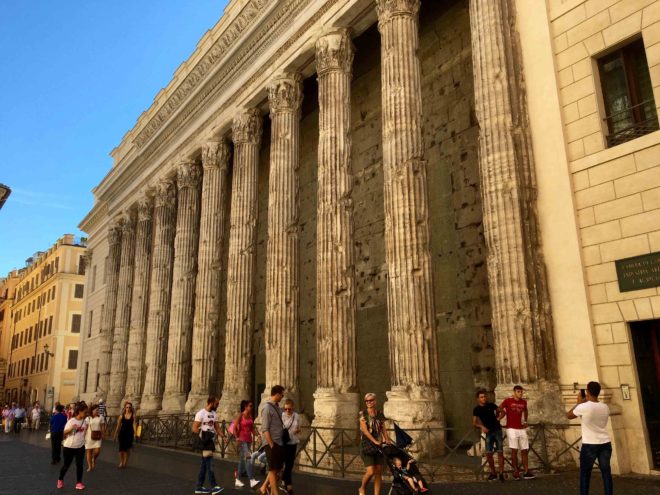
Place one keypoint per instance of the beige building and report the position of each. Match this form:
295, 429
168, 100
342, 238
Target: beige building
7, 296
41, 347
417, 199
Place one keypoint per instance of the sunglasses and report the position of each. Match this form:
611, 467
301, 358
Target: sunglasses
370, 400
288, 409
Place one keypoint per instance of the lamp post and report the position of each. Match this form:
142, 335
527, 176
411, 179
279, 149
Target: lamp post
48, 389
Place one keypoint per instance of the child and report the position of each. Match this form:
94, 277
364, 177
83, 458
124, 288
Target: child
405, 474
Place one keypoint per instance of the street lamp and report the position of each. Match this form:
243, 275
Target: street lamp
48, 389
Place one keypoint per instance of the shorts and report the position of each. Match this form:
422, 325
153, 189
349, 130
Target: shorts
494, 442
517, 439
275, 457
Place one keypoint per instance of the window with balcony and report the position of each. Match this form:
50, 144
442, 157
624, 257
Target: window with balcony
627, 94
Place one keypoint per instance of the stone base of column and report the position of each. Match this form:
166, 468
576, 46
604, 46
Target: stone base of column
113, 405
133, 400
173, 403
333, 409
230, 406
151, 404
196, 402
419, 411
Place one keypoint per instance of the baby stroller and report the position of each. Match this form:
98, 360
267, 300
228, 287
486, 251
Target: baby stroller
406, 478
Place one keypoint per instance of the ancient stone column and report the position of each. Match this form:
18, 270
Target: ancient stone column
215, 157
281, 319
140, 302
522, 324
415, 396
246, 133
122, 314
182, 307
109, 307
336, 398
162, 258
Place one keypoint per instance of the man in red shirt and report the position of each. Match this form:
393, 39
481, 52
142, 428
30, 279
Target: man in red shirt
515, 409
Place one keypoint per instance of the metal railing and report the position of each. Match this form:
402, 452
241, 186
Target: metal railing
637, 128
447, 453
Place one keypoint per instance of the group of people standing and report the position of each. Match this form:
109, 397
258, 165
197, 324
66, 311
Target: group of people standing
78, 434
279, 441
16, 416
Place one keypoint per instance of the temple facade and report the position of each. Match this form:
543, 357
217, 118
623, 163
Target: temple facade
413, 198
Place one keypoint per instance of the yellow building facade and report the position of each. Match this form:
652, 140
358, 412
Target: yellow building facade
44, 324
7, 294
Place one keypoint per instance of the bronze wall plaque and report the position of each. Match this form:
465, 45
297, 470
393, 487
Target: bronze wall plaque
638, 272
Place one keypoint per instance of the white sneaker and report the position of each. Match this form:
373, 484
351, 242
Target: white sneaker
254, 483
239, 483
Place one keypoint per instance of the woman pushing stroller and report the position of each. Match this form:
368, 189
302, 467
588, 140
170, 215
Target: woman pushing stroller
374, 434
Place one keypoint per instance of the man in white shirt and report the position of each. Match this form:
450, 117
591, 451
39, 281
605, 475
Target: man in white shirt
596, 442
206, 426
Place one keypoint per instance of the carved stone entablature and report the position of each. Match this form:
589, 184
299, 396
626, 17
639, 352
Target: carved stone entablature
188, 174
246, 127
165, 192
225, 42
285, 93
114, 234
388, 9
145, 206
335, 51
215, 154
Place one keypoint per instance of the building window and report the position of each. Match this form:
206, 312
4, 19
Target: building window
93, 278
627, 94
81, 265
57, 264
89, 324
105, 269
78, 291
53, 294
50, 325
86, 377
73, 359
75, 323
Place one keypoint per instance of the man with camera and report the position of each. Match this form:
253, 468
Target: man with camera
596, 442
206, 427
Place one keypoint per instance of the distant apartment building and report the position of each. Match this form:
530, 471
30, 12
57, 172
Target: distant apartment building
7, 294
41, 334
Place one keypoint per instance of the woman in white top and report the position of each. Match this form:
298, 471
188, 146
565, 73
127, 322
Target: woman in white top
94, 436
291, 423
74, 445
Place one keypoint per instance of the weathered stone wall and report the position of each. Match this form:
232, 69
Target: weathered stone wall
461, 292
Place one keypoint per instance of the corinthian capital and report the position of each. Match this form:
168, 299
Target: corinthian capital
188, 174
114, 234
87, 256
285, 93
246, 127
215, 154
127, 222
165, 194
145, 206
334, 51
387, 9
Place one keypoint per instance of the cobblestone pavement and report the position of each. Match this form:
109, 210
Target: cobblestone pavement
25, 468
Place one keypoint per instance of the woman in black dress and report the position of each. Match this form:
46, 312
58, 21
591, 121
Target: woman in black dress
125, 433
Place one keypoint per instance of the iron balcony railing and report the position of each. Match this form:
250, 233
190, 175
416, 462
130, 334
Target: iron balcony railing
637, 128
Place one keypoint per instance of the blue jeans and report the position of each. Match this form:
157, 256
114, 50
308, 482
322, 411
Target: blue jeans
588, 455
244, 464
207, 466
494, 441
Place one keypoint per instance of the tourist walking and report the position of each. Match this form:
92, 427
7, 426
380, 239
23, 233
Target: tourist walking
19, 418
272, 433
74, 445
374, 434
486, 416
291, 422
206, 427
515, 410
596, 443
103, 411
35, 414
244, 430
57, 424
94, 436
125, 433
8, 416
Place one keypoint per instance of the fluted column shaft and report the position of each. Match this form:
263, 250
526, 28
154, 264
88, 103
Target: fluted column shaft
122, 315
207, 302
109, 308
282, 285
139, 303
246, 134
159, 295
336, 401
182, 308
415, 394
522, 325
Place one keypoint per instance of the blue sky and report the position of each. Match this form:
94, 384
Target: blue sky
74, 77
